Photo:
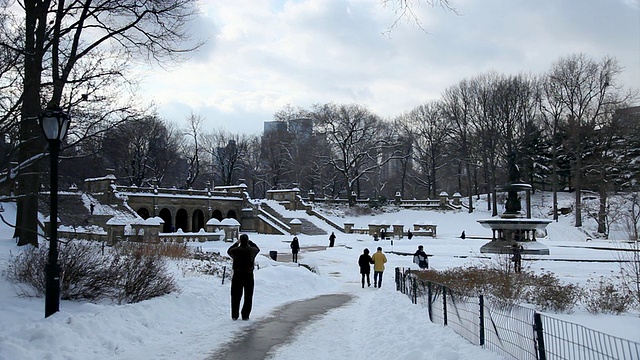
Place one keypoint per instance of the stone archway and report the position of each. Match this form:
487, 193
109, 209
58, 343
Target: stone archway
143, 212
182, 220
217, 214
231, 214
165, 214
197, 220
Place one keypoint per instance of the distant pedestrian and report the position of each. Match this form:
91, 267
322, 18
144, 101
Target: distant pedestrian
409, 234
383, 234
91, 208
516, 250
379, 259
295, 248
463, 235
332, 239
420, 258
365, 261
243, 253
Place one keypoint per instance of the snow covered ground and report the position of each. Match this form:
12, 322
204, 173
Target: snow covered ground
378, 323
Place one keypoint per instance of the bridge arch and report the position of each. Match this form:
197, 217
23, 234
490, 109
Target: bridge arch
217, 214
197, 220
165, 214
232, 214
182, 220
143, 212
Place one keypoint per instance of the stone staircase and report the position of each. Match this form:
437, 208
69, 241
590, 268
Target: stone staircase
307, 228
72, 212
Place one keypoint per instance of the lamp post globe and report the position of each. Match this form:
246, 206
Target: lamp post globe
54, 123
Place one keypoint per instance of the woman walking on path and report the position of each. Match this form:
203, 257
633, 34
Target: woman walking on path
332, 239
295, 248
365, 262
378, 267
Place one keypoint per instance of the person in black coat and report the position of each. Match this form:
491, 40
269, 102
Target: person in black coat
332, 239
365, 262
243, 253
295, 248
516, 250
420, 258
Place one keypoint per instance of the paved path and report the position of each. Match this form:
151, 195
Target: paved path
257, 341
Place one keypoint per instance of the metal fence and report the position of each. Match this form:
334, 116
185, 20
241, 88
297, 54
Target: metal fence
515, 332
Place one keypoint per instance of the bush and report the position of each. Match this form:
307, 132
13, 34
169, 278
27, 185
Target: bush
606, 296
90, 272
549, 294
506, 288
208, 263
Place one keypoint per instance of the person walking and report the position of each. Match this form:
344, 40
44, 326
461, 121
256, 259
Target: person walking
365, 261
243, 253
379, 259
420, 258
409, 234
295, 248
517, 257
332, 239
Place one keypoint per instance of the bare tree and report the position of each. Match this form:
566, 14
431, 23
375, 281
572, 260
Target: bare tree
62, 38
585, 88
429, 132
191, 148
228, 154
357, 139
456, 108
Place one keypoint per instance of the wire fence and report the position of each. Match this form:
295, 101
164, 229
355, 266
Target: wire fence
513, 331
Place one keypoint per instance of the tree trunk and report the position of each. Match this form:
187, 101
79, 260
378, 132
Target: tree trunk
26, 230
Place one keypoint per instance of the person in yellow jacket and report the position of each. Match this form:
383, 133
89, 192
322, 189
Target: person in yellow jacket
378, 267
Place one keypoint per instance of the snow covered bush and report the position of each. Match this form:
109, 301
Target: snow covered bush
92, 272
606, 296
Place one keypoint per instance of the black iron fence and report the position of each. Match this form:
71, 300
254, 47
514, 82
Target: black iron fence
513, 331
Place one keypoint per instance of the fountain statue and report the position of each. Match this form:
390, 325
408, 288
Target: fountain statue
512, 228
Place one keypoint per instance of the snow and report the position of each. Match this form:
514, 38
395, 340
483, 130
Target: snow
377, 323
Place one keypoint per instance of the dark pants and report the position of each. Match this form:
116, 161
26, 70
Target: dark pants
368, 279
377, 279
294, 256
241, 282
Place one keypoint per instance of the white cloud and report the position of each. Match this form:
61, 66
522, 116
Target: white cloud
265, 54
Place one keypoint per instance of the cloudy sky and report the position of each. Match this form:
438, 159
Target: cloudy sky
261, 55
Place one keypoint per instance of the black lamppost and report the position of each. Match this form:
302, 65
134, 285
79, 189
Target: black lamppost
54, 123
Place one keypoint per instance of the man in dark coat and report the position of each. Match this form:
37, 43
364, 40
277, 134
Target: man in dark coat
295, 248
516, 250
332, 239
243, 253
365, 261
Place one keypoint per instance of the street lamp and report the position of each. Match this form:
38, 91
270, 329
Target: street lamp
54, 123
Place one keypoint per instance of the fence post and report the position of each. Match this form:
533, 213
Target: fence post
444, 304
429, 299
481, 320
414, 284
224, 272
537, 319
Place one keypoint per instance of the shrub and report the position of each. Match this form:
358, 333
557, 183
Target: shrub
548, 293
606, 296
505, 288
207, 263
88, 272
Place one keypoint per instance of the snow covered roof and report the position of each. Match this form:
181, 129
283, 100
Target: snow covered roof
295, 221
213, 221
229, 222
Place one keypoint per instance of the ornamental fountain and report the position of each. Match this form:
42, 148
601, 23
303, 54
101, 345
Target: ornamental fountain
512, 227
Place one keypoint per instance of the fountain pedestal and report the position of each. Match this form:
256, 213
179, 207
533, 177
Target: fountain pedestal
512, 228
